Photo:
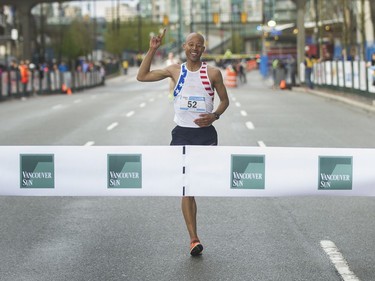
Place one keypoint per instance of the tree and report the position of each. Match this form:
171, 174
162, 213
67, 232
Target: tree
372, 9
127, 37
76, 40
362, 30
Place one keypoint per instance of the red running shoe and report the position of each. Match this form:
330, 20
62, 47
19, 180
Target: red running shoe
196, 248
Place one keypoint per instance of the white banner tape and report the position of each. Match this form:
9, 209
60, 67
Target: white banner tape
91, 171
272, 171
191, 171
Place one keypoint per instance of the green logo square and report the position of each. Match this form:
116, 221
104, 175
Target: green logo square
335, 173
37, 171
247, 172
124, 171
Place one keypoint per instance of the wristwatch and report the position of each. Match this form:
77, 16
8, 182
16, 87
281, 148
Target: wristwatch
217, 116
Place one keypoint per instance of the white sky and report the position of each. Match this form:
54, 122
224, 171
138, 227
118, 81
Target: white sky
100, 5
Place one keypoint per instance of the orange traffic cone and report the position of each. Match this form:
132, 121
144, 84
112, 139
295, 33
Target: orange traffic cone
282, 84
69, 91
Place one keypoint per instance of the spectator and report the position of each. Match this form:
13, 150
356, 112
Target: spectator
292, 70
24, 72
275, 65
102, 72
241, 70
371, 65
63, 67
125, 66
309, 66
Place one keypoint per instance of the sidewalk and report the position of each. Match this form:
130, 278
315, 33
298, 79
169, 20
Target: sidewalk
365, 103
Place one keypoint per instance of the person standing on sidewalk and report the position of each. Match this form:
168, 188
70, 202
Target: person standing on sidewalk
125, 66
309, 67
371, 65
196, 83
24, 72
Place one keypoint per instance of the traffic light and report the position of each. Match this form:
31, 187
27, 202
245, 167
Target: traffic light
216, 18
243, 17
165, 20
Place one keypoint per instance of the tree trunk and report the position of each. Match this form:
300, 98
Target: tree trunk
372, 10
362, 31
345, 29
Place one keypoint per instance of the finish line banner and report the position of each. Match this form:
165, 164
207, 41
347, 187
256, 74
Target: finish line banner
191, 171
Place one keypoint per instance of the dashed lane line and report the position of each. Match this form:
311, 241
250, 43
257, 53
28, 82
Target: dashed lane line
89, 143
130, 113
261, 144
143, 104
338, 261
58, 106
243, 113
250, 125
112, 126
238, 104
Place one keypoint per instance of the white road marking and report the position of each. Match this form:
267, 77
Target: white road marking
77, 101
261, 144
151, 100
238, 104
58, 106
130, 113
233, 98
143, 104
243, 113
250, 125
89, 143
112, 126
338, 261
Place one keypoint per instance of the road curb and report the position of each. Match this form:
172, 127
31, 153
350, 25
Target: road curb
346, 100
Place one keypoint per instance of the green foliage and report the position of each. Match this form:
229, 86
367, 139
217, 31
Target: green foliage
131, 36
76, 40
237, 43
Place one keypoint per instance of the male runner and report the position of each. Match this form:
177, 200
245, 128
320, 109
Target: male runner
196, 83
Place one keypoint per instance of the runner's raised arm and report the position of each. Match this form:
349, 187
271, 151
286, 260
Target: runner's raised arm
144, 72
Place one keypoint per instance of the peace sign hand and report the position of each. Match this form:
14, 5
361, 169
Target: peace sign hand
155, 41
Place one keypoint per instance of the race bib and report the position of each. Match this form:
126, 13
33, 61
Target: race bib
192, 104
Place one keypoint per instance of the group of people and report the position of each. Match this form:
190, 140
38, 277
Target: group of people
284, 72
26, 71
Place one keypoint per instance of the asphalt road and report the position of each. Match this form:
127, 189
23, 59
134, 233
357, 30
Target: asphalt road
144, 238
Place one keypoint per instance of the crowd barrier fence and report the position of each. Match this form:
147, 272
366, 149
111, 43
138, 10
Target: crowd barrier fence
52, 82
347, 75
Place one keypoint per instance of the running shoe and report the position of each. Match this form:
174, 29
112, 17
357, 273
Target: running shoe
196, 248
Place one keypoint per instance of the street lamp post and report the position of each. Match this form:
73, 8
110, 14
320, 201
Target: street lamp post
301, 32
42, 40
